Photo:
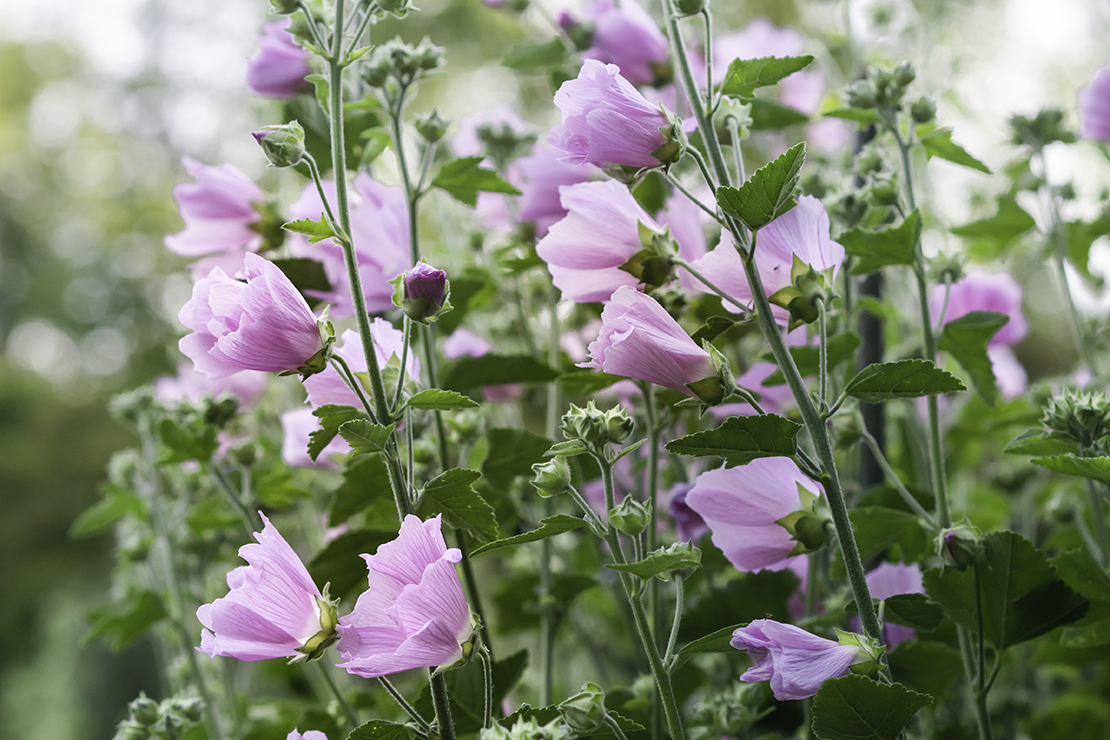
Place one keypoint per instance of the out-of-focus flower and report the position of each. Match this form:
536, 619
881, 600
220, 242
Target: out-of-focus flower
273, 610
328, 387
761, 38
687, 223
261, 324
1094, 107
688, 524
626, 35
542, 176
309, 735
773, 399
279, 66
894, 579
247, 386
796, 662
414, 614
296, 427
605, 120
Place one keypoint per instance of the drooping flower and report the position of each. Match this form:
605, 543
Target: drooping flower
274, 610
414, 614
328, 386
626, 35
247, 386
605, 120
601, 231
542, 176
296, 426
279, 66
218, 210
796, 662
260, 324
1094, 107
640, 340
744, 505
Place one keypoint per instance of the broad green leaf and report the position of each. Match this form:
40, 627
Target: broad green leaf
197, 442
464, 178
305, 274
494, 369
365, 480
549, 527
1096, 468
1040, 443
808, 358
381, 730
769, 192
116, 504
365, 437
914, 611
586, 382
451, 493
276, 489
1083, 574
120, 625
939, 144
966, 339
899, 534
884, 381
339, 563
529, 56
768, 115
742, 439
744, 76
315, 230
862, 116
928, 667
716, 642
873, 250
1007, 224
434, 399
512, 452
374, 141
856, 707
331, 418
661, 562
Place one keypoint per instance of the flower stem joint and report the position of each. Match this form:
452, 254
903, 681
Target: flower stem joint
807, 288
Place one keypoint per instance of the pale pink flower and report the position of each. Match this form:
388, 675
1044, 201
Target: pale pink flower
796, 662
279, 66
1094, 107
247, 386
542, 176
296, 426
328, 387
626, 35
308, 735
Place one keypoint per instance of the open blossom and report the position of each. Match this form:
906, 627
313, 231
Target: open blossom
742, 506
218, 210
606, 120
414, 614
796, 662
274, 610
261, 324
601, 231
328, 386
542, 176
279, 66
296, 427
626, 35
246, 386
688, 524
1094, 107
640, 340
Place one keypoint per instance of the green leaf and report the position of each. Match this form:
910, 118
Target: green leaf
512, 452
339, 563
914, 611
331, 418
120, 625
742, 439
1083, 574
451, 493
364, 436
883, 381
586, 382
713, 327
276, 489
928, 667
569, 448
873, 250
365, 480
494, 369
862, 116
464, 178
744, 76
377, 729
661, 562
856, 707
1040, 443
716, 642
1008, 223
316, 231
879, 530
808, 358
528, 56
305, 274
434, 399
1095, 468
769, 192
966, 339
186, 443
549, 527
768, 115
375, 140
939, 144
116, 504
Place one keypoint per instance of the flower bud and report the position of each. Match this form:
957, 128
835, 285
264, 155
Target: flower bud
884, 192
432, 126
192, 708
691, 7
398, 8
585, 712
427, 55
144, 710
283, 145
423, 293
595, 427
861, 94
285, 7
1040, 130
551, 477
948, 267
959, 546
630, 517
128, 730
923, 110
870, 161
904, 74
1082, 416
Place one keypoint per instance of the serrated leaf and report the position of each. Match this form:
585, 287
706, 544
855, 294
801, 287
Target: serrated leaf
331, 417
186, 443
769, 192
304, 273
1084, 575
339, 563
1095, 468
381, 730
928, 667
549, 527
435, 399
316, 230
116, 504
716, 642
713, 327
661, 562
741, 439
512, 453
365, 437
939, 144
451, 493
494, 369
966, 339
877, 249
120, 625
862, 116
1040, 443
365, 480
883, 381
768, 115
914, 611
1008, 223
807, 358
464, 178
744, 76
856, 707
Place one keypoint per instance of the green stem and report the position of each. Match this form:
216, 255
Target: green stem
442, 704
693, 198
678, 603
895, 481
737, 153
547, 617
651, 498
404, 362
408, 709
487, 675
314, 170
251, 524
708, 18
822, 357
344, 705
615, 727
473, 595
352, 382
986, 732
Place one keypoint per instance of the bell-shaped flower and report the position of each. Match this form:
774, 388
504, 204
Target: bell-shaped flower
279, 66
796, 662
1094, 107
542, 176
414, 614
328, 386
606, 120
761, 513
274, 610
257, 322
626, 35
297, 427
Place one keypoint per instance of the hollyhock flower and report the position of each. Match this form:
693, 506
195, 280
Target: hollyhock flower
626, 35
310, 735
605, 120
687, 223
247, 386
279, 66
218, 210
796, 662
640, 340
273, 610
296, 426
984, 291
542, 176
743, 506
414, 614
803, 231
601, 231
1008, 372
261, 324
328, 386
1094, 107
380, 231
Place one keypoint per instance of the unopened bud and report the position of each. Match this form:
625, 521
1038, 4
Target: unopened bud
283, 145
904, 74
585, 712
285, 7
630, 517
144, 710
862, 94
431, 126
128, 730
960, 546
691, 7
398, 8
923, 110
551, 477
423, 293
427, 55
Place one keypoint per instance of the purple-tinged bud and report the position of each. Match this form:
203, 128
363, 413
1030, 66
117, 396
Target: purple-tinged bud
959, 546
278, 68
283, 145
423, 293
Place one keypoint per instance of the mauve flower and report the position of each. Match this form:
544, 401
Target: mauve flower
273, 609
640, 340
279, 66
688, 524
894, 579
802, 90
796, 662
414, 614
328, 386
601, 231
380, 231
984, 291
465, 343
687, 223
309, 735
296, 427
218, 210
261, 324
1008, 372
247, 386
801, 231
605, 120
1094, 107
542, 176
742, 506
425, 290
626, 35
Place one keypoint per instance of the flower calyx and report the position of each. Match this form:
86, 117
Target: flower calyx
807, 287
652, 265
585, 712
327, 636
869, 659
811, 525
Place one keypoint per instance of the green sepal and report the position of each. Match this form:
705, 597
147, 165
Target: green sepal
871, 651
676, 142
316, 645
318, 363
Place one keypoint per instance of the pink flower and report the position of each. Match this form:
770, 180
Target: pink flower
261, 324
328, 387
414, 614
626, 35
984, 291
773, 399
309, 735
796, 662
465, 343
743, 505
1094, 107
218, 210
380, 230
605, 120
802, 231
761, 38
688, 524
273, 609
278, 68
601, 231
296, 426
542, 176
687, 223
247, 386
640, 340
894, 579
